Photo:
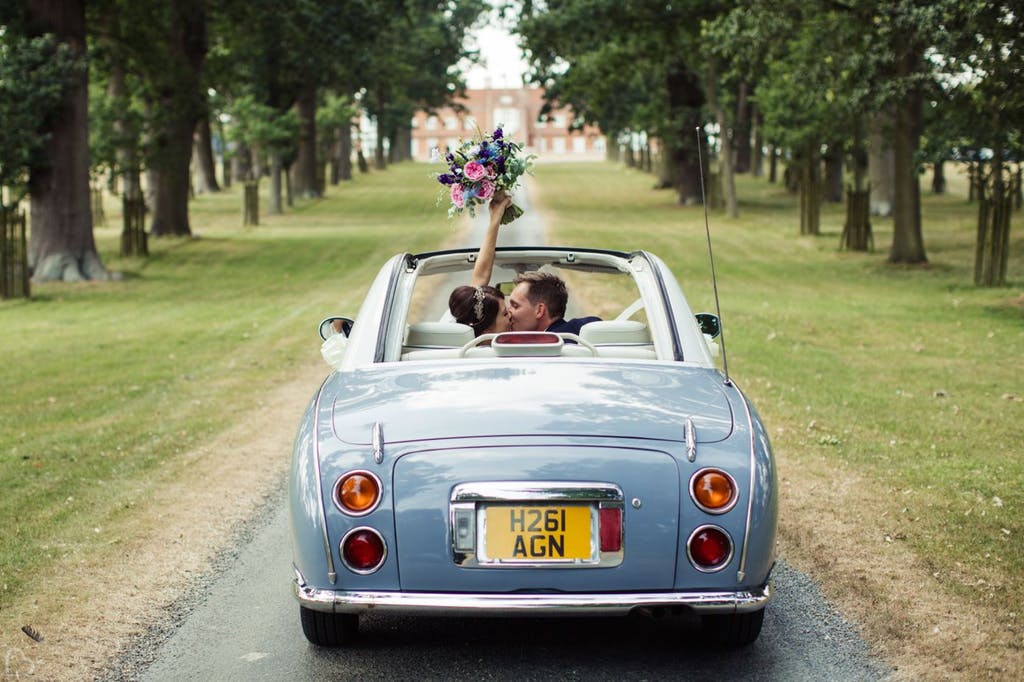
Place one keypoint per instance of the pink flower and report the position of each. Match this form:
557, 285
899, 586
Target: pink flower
491, 172
457, 198
474, 170
486, 189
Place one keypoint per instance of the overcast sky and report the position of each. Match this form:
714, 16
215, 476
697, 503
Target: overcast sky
504, 63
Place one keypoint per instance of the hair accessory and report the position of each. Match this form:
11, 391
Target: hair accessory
478, 305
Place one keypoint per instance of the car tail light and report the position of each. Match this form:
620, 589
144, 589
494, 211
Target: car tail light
709, 548
508, 338
357, 492
363, 550
713, 490
609, 523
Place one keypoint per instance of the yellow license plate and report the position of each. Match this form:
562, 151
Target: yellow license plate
538, 533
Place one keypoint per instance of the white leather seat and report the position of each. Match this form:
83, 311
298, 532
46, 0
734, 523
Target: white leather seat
616, 333
423, 335
620, 339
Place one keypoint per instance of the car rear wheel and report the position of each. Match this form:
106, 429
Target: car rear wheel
733, 629
328, 629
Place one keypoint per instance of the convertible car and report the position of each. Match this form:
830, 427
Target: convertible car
615, 471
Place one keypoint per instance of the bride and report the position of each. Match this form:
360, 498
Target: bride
480, 305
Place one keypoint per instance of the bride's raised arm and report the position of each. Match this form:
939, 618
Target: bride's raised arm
485, 257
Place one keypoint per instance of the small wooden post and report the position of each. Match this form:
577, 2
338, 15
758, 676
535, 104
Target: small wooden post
14, 274
251, 203
857, 234
134, 241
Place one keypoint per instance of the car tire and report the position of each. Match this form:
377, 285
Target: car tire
733, 629
328, 629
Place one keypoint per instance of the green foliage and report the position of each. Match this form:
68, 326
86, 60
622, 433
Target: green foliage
981, 69
335, 111
115, 123
35, 74
612, 62
261, 127
413, 63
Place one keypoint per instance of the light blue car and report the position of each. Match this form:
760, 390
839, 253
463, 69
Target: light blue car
615, 471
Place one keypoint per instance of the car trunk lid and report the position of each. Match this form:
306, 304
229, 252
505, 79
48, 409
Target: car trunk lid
473, 399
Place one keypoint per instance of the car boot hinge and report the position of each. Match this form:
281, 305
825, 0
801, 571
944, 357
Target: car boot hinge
378, 442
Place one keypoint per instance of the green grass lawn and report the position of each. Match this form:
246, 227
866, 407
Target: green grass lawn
105, 382
909, 375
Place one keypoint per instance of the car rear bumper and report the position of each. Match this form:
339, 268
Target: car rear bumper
532, 604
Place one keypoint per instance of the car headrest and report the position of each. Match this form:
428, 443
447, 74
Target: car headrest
438, 335
616, 333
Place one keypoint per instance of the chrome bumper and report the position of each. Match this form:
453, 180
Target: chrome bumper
558, 604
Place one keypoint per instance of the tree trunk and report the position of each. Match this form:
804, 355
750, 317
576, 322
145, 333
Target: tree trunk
304, 176
61, 244
628, 157
757, 158
728, 175
741, 131
241, 164
834, 173
810, 190
880, 166
939, 177
225, 162
206, 168
859, 157
127, 153
686, 98
907, 239
275, 185
611, 147
773, 163
994, 210
182, 101
345, 160
393, 153
335, 157
380, 161
1018, 186
663, 168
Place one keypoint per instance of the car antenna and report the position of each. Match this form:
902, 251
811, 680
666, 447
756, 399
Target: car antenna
711, 258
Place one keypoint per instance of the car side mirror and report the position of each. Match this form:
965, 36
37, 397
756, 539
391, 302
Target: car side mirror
709, 324
335, 325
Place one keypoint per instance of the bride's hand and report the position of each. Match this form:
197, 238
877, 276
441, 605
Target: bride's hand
500, 200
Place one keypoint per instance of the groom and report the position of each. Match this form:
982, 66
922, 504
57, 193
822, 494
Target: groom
538, 304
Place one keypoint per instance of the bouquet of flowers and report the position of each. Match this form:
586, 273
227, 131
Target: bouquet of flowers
480, 167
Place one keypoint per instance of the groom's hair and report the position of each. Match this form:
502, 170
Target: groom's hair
546, 288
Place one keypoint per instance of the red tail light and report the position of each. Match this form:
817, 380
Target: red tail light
609, 524
709, 548
508, 338
363, 550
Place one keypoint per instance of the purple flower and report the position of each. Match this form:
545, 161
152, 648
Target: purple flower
497, 134
446, 179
